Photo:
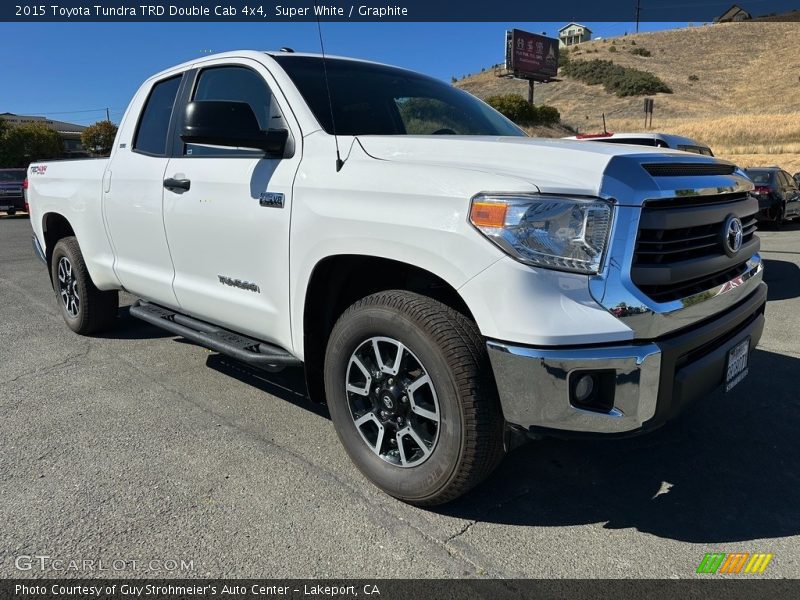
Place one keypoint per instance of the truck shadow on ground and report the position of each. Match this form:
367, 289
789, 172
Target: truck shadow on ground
131, 328
725, 471
783, 278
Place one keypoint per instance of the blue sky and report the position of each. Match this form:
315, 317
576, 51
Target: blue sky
55, 69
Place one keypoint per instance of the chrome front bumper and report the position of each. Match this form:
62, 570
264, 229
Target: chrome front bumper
653, 380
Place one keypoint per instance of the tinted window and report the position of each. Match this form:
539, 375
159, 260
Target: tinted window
632, 141
12, 175
381, 100
787, 179
237, 84
151, 137
695, 149
760, 177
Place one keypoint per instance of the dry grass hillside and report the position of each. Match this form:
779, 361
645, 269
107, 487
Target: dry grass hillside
743, 98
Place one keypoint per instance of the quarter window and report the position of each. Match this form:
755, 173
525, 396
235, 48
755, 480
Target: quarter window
151, 136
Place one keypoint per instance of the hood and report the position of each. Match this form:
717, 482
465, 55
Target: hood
551, 165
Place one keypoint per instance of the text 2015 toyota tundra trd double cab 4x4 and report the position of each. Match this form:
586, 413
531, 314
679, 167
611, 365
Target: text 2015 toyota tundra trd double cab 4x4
448, 282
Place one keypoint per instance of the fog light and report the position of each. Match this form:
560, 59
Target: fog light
584, 388
592, 390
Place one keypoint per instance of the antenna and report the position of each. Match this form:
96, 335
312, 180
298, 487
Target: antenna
339, 161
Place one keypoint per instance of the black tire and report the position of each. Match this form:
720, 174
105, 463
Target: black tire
780, 217
469, 442
85, 309
11, 213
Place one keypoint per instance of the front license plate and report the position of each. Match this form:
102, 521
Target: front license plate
737, 364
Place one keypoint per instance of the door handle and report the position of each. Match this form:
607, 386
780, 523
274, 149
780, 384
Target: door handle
179, 184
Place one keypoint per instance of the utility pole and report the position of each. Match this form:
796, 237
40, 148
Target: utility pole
108, 115
638, 10
530, 92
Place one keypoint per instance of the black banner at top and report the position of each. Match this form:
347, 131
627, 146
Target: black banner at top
394, 10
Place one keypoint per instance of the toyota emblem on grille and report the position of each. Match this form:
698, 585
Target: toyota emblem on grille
732, 234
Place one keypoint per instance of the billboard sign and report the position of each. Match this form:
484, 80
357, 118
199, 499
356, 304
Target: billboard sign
531, 56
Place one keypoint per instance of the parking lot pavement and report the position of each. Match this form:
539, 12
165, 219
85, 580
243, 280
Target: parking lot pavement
140, 446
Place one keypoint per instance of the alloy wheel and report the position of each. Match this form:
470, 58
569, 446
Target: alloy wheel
392, 401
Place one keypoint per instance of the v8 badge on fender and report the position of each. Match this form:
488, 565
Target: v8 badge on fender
271, 200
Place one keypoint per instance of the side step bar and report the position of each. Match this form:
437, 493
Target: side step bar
224, 341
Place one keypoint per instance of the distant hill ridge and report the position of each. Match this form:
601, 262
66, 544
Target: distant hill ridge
735, 85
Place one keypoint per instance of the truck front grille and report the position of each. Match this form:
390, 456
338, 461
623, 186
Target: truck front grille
679, 248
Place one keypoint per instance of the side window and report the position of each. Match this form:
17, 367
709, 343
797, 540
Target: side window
151, 134
237, 84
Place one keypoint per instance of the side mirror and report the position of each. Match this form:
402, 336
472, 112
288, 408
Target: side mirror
233, 124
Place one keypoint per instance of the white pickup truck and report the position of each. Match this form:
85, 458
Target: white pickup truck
450, 285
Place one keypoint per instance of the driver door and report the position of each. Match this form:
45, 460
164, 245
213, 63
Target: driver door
228, 232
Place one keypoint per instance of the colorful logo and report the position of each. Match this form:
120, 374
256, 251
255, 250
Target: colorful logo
741, 562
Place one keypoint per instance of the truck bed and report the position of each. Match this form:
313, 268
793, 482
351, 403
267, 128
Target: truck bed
74, 189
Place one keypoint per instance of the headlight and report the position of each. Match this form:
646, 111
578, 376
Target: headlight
556, 232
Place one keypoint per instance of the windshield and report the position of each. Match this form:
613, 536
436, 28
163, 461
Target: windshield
371, 99
762, 177
15, 175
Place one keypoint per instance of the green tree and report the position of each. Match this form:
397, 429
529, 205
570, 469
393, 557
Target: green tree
22, 144
517, 108
3, 130
99, 138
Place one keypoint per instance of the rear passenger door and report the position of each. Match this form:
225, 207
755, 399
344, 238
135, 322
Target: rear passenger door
133, 192
229, 232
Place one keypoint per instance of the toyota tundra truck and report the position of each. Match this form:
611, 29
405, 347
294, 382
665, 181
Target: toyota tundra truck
450, 285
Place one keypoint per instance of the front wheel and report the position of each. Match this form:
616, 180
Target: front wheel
85, 308
411, 394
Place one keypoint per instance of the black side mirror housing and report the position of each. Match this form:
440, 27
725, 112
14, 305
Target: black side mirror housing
231, 124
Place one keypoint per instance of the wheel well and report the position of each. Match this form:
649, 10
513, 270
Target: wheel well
55, 227
339, 281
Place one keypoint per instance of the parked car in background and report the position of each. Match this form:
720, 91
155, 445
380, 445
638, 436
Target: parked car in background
12, 197
659, 140
778, 194
797, 178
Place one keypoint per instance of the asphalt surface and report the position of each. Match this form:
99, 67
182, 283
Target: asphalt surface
138, 446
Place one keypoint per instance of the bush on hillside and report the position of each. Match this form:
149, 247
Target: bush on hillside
563, 57
612, 48
641, 52
516, 108
616, 79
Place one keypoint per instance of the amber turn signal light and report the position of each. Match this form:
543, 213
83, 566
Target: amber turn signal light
488, 214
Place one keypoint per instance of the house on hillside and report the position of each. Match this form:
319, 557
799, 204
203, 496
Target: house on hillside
573, 33
734, 14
